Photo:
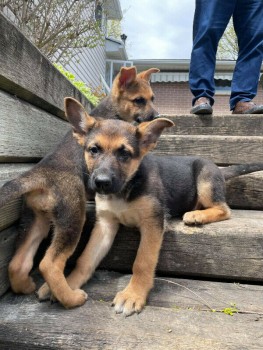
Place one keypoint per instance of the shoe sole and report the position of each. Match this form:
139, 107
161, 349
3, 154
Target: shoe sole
254, 110
202, 109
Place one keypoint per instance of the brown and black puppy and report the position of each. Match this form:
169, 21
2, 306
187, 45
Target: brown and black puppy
55, 192
142, 190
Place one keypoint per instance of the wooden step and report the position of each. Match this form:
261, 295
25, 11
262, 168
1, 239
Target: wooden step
243, 192
246, 191
230, 249
238, 125
30, 133
178, 316
11, 212
222, 150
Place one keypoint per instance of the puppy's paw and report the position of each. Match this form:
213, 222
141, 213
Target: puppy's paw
77, 298
44, 293
195, 217
23, 285
128, 302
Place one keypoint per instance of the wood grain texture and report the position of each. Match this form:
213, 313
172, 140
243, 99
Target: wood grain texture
7, 246
238, 125
180, 293
26, 73
246, 191
230, 249
9, 171
27, 133
27, 324
222, 150
11, 212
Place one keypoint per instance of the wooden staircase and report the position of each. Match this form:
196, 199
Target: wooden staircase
192, 312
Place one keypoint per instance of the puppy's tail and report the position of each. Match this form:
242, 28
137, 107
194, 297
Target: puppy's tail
236, 170
23, 184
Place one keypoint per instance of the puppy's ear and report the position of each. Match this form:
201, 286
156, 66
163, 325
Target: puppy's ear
126, 76
146, 75
77, 116
149, 132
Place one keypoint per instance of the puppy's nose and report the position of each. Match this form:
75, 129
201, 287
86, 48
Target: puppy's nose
103, 182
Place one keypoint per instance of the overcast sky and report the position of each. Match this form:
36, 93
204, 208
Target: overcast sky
158, 29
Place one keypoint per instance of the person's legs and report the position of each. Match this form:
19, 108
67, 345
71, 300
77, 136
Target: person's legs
210, 21
248, 24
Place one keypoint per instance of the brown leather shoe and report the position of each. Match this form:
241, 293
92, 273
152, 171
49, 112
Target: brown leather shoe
247, 108
202, 106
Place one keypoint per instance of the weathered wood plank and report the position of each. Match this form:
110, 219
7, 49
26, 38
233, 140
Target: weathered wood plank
11, 212
181, 293
238, 125
230, 249
10, 171
26, 73
195, 251
7, 245
27, 132
220, 149
96, 326
246, 191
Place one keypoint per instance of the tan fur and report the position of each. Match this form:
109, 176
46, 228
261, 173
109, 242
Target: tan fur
105, 140
211, 211
41, 200
110, 212
55, 185
55, 192
126, 95
217, 212
110, 143
52, 267
22, 262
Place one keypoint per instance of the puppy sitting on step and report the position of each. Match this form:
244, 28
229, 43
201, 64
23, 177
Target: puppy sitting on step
55, 192
137, 189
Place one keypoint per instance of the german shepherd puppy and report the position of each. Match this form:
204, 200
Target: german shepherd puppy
140, 190
55, 192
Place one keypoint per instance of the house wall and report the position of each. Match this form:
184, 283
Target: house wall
88, 65
176, 98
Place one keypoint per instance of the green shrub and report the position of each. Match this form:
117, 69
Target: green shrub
80, 85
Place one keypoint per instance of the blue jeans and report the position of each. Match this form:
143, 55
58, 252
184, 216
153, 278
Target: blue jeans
210, 20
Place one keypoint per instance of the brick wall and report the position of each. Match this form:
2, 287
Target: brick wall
176, 98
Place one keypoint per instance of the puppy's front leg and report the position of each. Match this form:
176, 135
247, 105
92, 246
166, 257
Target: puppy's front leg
133, 297
99, 244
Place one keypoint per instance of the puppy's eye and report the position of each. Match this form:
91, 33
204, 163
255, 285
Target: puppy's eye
93, 150
123, 155
139, 101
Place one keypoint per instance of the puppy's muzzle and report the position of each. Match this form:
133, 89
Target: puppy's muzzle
147, 118
103, 183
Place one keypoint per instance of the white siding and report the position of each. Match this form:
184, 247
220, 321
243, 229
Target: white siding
88, 65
